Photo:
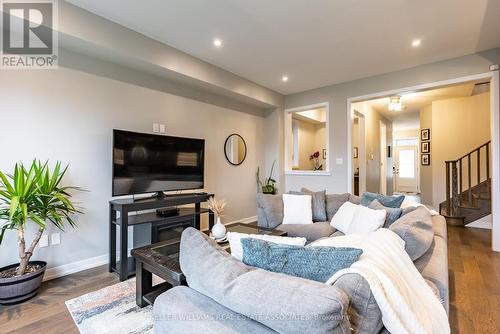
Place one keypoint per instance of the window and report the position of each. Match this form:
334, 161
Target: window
306, 138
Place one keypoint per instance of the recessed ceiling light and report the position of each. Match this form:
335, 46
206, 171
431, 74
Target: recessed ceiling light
217, 43
416, 43
284, 78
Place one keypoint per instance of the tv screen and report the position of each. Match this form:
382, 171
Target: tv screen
145, 163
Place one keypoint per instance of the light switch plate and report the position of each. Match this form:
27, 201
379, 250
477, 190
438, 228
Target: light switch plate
156, 127
339, 161
55, 239
44, 241
162, 128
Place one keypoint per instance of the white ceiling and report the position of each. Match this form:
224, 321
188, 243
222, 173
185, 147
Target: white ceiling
409, 118
315, 43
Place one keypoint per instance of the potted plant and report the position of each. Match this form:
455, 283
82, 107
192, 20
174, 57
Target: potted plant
33, 195
269, 184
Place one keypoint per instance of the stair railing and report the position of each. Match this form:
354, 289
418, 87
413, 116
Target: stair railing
454, 178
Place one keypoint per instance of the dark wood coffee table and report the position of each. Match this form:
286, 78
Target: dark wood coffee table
162, 259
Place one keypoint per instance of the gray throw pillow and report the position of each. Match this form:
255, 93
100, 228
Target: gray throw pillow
392, 213
313, 307
334, 202
273, 208
318, 204
389, 201
408, 209
314, 263
415, 228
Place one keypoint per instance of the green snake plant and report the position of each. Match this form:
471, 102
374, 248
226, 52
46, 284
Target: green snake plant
34, 195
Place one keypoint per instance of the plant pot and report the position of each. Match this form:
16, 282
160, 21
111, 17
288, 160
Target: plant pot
14, 290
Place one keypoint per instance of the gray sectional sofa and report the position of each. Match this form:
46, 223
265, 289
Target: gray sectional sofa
226, 296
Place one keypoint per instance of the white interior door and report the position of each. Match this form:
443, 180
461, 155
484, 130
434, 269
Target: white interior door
406, 168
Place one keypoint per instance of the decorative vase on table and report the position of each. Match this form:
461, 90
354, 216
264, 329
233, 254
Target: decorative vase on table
218, 230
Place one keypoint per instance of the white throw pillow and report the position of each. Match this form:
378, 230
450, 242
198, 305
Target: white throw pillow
297, 209
234, 239
357, 219
366, 220
343, 217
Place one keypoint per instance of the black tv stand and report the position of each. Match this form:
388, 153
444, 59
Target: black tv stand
119, 216
157, 195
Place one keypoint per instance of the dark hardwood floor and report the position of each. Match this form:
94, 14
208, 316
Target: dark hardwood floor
474, 291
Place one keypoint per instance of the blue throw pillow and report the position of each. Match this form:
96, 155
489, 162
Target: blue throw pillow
314, 263
388, 201
393, 214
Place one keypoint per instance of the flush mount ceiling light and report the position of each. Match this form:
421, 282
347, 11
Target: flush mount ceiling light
217, 43
416, 43
284, 78
395, 103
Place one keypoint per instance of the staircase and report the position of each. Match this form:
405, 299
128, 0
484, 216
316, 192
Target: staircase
468, 187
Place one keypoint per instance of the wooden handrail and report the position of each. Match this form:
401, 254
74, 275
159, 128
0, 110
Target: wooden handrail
474, 150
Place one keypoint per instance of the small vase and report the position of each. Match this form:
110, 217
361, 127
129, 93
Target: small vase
218, 230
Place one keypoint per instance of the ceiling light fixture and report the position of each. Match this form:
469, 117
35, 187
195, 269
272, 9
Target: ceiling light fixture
217, 43
284, 78
395, 103
416, 43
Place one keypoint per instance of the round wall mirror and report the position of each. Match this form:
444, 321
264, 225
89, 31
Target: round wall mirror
235, 149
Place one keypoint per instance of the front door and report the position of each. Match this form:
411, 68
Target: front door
406, 168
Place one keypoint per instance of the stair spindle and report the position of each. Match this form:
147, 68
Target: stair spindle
448, 202
454, 189
469, 192
478, 165
460, 180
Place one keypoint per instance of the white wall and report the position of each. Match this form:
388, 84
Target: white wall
69, 115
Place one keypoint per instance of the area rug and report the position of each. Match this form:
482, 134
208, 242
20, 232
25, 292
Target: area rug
111, 310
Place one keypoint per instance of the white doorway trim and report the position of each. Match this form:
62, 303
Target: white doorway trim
361, 149
383, 158
494, 78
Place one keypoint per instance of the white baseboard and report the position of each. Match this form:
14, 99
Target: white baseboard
75, 267
100, 260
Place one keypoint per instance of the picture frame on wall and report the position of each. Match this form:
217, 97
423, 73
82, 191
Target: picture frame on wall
425, 159
425, 134
324, 153
355, 153
425, 147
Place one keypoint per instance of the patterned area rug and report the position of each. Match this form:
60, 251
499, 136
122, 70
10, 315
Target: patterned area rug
111, 310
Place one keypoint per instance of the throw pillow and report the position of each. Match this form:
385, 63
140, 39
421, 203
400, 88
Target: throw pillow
357, 219
388, 201
333, 204
234, 239
297, 209
318, 204
392, 213
273, 208
415, 228
314, 263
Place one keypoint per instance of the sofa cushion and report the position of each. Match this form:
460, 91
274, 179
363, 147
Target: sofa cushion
311, 232
439, 226
272, 205
433, 266
176, 310
354, 199
318, 204
415, 229
272, 298
388, 201
364, 314
314, 263
333, 204
392, 213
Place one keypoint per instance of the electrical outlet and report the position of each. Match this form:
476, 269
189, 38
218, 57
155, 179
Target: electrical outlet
44, 241
156, 127
55, 239
162, 128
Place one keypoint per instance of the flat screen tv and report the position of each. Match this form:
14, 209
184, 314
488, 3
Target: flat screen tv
146, 163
